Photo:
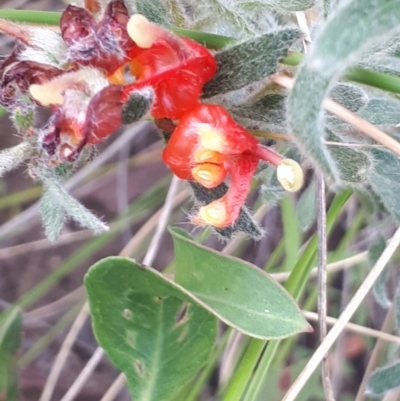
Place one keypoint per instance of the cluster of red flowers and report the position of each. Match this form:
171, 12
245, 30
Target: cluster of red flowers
108, 56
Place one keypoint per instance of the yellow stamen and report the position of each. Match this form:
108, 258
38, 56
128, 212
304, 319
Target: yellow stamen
142, 31
47, 94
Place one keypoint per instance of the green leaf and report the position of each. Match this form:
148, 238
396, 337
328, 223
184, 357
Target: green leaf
379, 289
62, 199
283, 5
137, 105
270, 109
354, 166
149, 327
381, 110
306, 208
386, 64
250, 61
154, 10
53, 215
12, 158
345, 35
239, 293
385, 180
383, 380
10, 341
349, 95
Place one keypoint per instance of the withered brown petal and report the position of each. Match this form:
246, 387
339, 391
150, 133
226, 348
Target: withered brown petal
104, 114
22, 75
114, 23
76, 24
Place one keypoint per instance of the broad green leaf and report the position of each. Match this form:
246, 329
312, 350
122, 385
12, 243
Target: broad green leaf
10, 341
383, 380
379, 289
250, 61
148, 327
385, 180
239, 293
347, 33
306, 208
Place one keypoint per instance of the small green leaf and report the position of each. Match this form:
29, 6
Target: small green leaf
137, 105
283, 5
354, 166
383, 380
241, 64
72, 208
306, 208
53, 215
12, 158
239, 293
154, 10
379, 289
386, 64
10, 341
381, 110
270, 109
149, 327
345, 35
385, 180
350, 96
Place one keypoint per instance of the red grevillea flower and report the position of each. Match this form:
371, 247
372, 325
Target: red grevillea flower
175, 68
207, 146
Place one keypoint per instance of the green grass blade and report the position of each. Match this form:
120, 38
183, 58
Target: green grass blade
295, 285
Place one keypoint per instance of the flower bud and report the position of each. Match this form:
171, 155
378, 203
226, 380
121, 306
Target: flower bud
290, 175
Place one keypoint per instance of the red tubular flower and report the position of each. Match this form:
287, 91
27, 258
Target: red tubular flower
175, 68
207, 146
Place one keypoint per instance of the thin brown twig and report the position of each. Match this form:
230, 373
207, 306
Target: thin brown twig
381, 335
377, 351
59, 362
348, 116
322, 280
344, 318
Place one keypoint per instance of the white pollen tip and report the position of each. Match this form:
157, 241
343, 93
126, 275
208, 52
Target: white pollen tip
46, 94
290, 175
142, 31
